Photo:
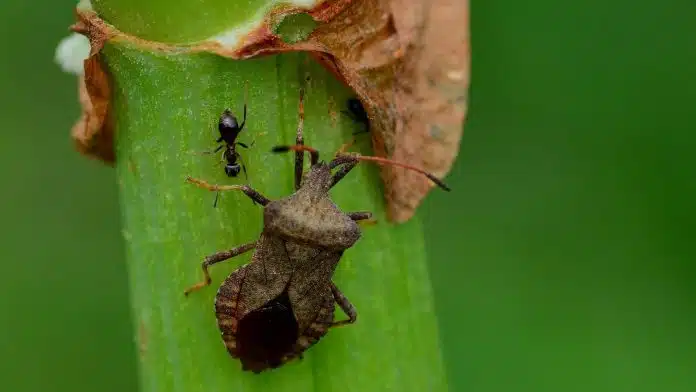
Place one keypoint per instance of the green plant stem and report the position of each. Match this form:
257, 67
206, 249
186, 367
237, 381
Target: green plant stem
166, 109
177, 22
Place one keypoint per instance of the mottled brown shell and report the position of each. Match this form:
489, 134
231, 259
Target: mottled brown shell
304, 276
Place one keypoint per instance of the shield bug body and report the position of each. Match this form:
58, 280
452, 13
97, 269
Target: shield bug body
282, 302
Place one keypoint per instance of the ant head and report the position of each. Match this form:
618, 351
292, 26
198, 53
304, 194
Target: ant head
232, 169
355, 106
228, 122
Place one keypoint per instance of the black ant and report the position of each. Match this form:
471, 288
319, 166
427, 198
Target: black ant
356, 111
230, 128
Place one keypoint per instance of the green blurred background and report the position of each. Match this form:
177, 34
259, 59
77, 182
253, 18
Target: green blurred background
563, 261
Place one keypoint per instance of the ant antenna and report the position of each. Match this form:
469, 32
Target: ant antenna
340, 157
246, 90
314, 154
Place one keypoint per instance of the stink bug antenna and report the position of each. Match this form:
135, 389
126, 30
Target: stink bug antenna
343, 158
313, 153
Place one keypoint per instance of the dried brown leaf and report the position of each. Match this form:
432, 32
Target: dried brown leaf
93, 133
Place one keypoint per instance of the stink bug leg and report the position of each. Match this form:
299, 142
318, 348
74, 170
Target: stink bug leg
345, 305
253, 195
216, 258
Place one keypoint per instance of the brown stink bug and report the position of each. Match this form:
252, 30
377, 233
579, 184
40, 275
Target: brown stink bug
282, 302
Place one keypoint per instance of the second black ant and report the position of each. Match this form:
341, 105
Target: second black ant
356, 112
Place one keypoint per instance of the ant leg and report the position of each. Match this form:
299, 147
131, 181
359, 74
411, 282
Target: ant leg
216, 258
356, 119
217, 194
252, 142
350, 115
345, 305
217, 197
258, 134
209, 151
253, 195
366, 129
239, 156
299, 140
246, 176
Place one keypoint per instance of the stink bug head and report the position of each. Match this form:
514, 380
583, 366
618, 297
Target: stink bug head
317, 182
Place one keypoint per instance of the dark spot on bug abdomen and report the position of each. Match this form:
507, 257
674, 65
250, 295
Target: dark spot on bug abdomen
267, 334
